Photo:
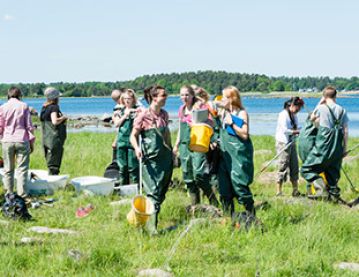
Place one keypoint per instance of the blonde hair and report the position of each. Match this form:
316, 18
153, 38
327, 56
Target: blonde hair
51, 102
202, 93
232, 93
129, 92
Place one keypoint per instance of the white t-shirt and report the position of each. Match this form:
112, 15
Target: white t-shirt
284, 126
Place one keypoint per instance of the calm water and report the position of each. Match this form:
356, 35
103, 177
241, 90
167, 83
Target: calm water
262, 111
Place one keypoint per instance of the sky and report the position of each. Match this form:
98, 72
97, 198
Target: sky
116, 40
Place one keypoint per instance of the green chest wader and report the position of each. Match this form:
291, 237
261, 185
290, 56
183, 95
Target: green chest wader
195, 169
235, 171
325, 157
125, 155
53, 139
306, 139
157, 165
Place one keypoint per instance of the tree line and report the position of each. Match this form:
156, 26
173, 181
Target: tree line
213, 81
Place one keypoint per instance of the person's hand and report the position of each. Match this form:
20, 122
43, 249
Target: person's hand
138, 153
32, 147
213, 145
228, 119
296, 132
64, 118
127, 113
114, 144
175, 150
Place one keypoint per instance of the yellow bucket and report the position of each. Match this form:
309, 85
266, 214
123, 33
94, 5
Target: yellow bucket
200, 137
142, 209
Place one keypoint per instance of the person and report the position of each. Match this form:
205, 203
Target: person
322, 165
194, 165
151, 127
236, 168
123, 119
116, 97
287, 129
53, 125
17, 141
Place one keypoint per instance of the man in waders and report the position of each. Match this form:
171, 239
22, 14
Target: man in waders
322, 165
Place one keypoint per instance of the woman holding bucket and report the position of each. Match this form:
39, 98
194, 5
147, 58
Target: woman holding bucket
151, 126
194, 164
236, 166
123, 119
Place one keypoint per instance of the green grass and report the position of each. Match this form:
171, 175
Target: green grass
300, 239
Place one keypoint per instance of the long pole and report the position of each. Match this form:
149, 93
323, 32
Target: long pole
140, 165
276, 156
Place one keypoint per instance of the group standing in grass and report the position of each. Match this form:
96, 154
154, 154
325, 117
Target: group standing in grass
144, 140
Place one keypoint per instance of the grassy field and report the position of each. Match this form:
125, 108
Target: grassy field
301, 238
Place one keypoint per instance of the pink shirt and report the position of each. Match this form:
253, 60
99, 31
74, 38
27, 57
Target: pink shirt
148, 119
188, 117
15, 122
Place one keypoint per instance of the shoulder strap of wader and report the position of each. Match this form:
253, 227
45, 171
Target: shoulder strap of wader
292, 121
335, 120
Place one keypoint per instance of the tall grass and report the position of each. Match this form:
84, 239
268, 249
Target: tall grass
300, 239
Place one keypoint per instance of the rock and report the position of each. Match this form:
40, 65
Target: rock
268, 178
203, 209
47, 230
349, 159
75, 254
28, 240
155, 272
349, 266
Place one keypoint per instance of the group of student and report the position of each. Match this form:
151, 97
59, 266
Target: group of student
143, 133
144, 140
17, 138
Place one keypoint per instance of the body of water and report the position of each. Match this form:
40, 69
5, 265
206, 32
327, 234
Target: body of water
263, 112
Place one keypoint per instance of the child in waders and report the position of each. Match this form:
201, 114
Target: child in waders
194, 165
236, 168
329, 147
123, 119
287, 129
151, 126
53, 124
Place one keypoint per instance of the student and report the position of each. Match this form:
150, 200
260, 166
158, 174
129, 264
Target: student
194, 165
53, 124
236, 168
329, 148
123, 119
17, 141
151, 126
116, 97
287, 129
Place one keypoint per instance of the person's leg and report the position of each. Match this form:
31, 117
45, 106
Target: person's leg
53, 159
294, 170
133, 166
187, 174
23, 161
8, 152
225, 189
201, 176
283, 162
123, 166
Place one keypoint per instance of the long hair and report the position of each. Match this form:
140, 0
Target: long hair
151, 92
129, 92
233, 93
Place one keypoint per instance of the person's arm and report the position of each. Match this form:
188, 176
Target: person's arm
56, 120
2, 123
134, 142
242, 132
175, 148
118, 119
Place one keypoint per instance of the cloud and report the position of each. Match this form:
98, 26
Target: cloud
8, 17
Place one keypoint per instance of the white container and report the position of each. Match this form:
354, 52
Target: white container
55, 181
127, 190
45, 184
94, 185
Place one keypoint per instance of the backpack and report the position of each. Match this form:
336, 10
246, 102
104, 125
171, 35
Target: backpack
15, 207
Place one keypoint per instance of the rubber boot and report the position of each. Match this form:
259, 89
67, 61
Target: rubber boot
320, 189
151, 225
195, 198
